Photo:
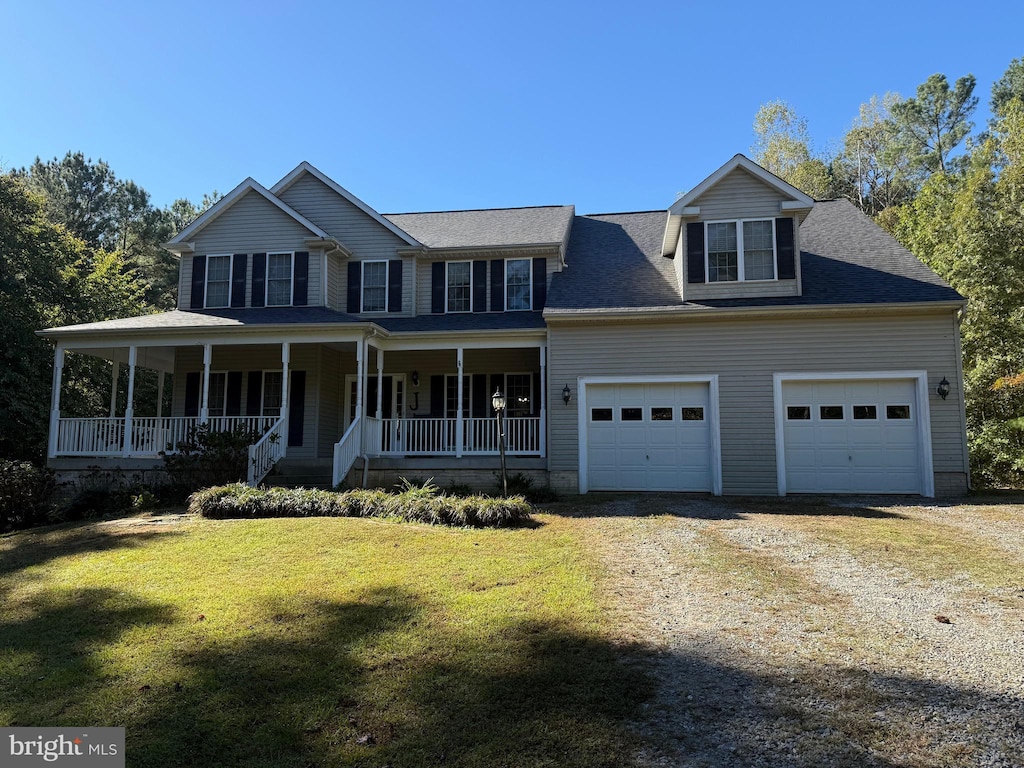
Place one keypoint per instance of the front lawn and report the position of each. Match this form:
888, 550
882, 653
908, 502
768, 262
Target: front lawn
316, 642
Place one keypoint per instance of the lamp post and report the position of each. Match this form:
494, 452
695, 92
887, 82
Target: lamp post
498, 403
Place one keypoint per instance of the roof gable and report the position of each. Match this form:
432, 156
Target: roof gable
304, 168
227, 202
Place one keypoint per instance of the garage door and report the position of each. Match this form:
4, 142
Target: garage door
851, 436
649, 437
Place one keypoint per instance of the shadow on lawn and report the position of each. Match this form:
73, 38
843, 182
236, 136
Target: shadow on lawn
701, 507
24, 549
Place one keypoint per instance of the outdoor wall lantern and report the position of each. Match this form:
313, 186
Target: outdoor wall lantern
498, 403
943, 388
566, 394
415, 378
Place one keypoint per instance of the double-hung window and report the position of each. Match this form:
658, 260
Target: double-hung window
519, 394
218, 393
218, 281
517, 284
279, 279
375, 286
460, 286
272, 381
740, 250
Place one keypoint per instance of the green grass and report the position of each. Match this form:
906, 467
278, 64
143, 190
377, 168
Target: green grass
319, 641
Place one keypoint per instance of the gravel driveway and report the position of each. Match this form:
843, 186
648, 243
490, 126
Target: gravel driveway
822, 632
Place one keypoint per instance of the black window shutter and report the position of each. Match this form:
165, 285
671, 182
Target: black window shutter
536, 396
498, 285
254, 397
479, 286
296, 407
437, 288
259, 279
481, 397
233, 407
198, 281
192, 393
238, 268
540, 283
695, 252
300, 288
355, 280
395, 285
784, 248
437, 396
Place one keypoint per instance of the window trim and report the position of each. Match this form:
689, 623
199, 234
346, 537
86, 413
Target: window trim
447, 287
206, 279
529, 285
740, 269
291, 279
529, 391
209, 400
263, 391
362, 285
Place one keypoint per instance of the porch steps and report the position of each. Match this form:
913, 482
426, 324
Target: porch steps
301, 474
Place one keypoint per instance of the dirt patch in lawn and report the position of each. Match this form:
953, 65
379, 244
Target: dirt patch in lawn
821, 632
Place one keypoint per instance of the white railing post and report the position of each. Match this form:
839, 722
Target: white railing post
58, 374
129, 411
459, 436
204, 410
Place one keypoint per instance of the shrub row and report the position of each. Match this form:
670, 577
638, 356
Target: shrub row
421, 505
25, 493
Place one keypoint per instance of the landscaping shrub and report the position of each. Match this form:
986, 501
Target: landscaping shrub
416, 504
521, 485
206, 458
25, 493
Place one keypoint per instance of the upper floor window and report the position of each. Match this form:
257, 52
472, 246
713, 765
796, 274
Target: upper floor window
740, 250
375, 286
218, 281
460, 286
517, 284
279, 279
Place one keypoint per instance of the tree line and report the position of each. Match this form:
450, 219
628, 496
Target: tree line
77, 245
955, 198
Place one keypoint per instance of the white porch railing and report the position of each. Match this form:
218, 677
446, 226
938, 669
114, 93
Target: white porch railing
437, 437
150, 435
346, 451
266, 453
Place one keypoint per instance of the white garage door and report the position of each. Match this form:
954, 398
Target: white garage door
851, 436
649, 437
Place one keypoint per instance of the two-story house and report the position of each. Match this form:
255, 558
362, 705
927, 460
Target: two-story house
747, 340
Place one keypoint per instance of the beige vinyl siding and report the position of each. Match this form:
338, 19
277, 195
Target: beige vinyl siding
745, 354
335, 268
304, 357
424, 280
185, 283
739, 196
740, 290
330, 385
364, 237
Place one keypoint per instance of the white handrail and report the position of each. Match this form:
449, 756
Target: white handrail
346, 451
436, 436
150, 435
265, 453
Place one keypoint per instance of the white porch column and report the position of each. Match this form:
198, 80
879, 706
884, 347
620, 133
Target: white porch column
114, 376
160, 395
360, 353
380, 383
58, 374
543, 426
129, 411
204, 409
459, 435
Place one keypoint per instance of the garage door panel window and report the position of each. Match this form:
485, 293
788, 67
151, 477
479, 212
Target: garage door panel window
897, 412
693, 414
798, 412
832, 412
600, 414
865, 412
661, 414
632, 414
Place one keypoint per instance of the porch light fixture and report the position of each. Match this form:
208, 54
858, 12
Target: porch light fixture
943, 388
415, 378
566, 394
498, 403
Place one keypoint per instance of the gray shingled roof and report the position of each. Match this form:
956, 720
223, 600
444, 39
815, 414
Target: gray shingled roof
494, 227
615, 263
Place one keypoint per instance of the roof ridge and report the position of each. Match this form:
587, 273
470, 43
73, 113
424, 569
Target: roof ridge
477, 210
619, 213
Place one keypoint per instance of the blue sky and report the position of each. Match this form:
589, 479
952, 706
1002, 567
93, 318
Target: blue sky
442, 105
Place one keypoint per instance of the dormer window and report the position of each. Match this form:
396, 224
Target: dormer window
727, 240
